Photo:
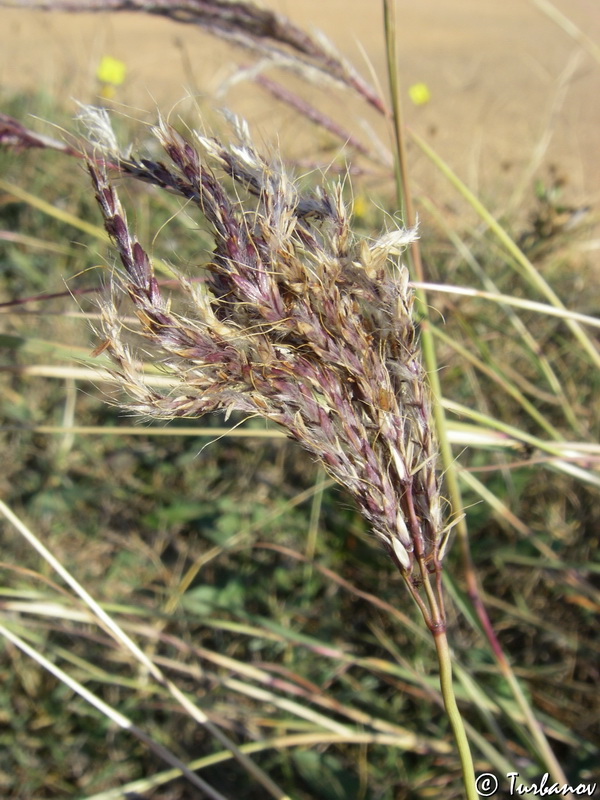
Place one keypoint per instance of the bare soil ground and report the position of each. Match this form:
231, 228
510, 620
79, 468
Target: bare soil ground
512, 94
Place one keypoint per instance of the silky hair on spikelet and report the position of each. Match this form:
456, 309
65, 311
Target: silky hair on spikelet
293, 319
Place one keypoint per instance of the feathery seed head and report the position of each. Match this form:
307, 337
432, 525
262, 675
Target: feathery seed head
295, 321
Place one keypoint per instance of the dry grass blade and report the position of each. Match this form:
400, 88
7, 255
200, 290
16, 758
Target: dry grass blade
117, 632
118, 718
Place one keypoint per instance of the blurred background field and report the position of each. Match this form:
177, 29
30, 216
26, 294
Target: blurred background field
510, 89
229, 558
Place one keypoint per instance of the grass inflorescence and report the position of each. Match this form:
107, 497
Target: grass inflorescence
294, 322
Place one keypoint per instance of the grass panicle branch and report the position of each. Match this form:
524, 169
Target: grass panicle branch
14, 134
262, 31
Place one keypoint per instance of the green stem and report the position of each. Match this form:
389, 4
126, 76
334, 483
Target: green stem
458, 729
435, 620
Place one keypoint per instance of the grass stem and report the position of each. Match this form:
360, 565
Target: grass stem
454, 716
